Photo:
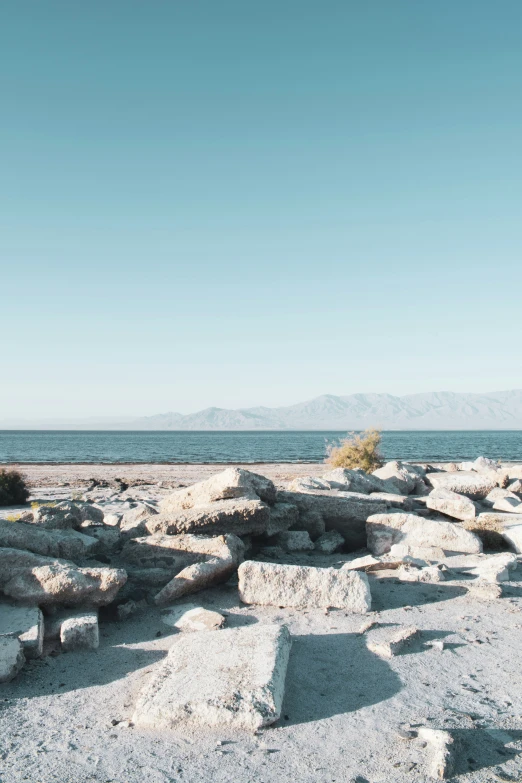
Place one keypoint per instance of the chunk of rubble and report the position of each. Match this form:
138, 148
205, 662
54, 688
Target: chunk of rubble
515, 486
358, 481
451, 503
190, 617
329, 543
503, 500
482, 590
26, 623
308, 484
238, 516
80, 632
68, 544
57, 516
403, 475
283, 516
490, 568
512, 535
386, 642
230, 484
434, 554
239, 684
11, 657
428, 574
385, 530
365, 563
295, 541
404, 502
274, 584
474, 485
443, 752
34, 579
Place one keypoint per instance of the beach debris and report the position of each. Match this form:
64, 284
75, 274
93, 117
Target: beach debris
274, 584
190, 617
239, 684
385, 530
239, 516
11, 657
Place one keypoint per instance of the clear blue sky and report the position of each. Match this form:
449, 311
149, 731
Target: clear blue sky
235, 203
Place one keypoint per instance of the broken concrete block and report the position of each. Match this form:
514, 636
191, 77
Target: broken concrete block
442, 746
274, 584
451, 503
295, 541
364, 563
474, 485
387, 642
404, 476
190, 617
11, 657
80, 632
512, 535
503, 500
239, 684
385, 530
482, 590
57, 516
239, 516
357, 481
229, 484
27, 624
426, 553
283, 516
429, 574
50, 543
329, 543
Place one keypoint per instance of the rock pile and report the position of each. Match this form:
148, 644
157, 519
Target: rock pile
61, 564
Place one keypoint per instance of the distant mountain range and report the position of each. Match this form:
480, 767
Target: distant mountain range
431, 411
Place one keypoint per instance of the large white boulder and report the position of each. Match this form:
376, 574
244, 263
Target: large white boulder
232, 679
451, 503
232, 483
358, 481
503, 500
42, 541
274, 584
400, 473
240, 516
385, 530
474, 485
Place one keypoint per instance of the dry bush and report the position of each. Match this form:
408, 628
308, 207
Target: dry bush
357, 450
13, 489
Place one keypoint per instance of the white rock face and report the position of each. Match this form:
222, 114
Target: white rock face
41, 541
190, 617
364, 563
295, 541
385, 530
490, 568
474, 485
386, 642
283, 516
239, 516
26, 623
403, 475
357, 481
80, 632
58, 516
512, 535
308, 484
515, 486
504, 500
239, 684
442, 749
428, 574
451, 503
274, 584
11, 657
433, 554
231, 483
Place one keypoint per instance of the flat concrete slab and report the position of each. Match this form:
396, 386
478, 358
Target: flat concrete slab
234, 678
26, 623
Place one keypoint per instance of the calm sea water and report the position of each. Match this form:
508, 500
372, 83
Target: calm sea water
172, 447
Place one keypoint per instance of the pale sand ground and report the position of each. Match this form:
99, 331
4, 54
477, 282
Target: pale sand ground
343, 705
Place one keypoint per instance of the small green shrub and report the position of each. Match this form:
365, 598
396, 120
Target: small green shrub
357, 451
13, 489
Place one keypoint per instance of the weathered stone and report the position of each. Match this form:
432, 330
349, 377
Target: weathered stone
346, 512
491, 568
307, 484
282, 517
41, 541
483, 590
474, 485
387, 642
57, 516
364, 563
404, 476
357, 481
11, 657
26, 623
312, 522
429, 574
133, 523
425, 553
385, 530
404, 502
515, 486
451, 503
240, 517
91, 513
108, 538
80, 632
503, 500
273, 584
512, 535
230, 484
130, 608
113, 520
190, 617
239, 683
35, 579
329, 542
295, 541
443, 752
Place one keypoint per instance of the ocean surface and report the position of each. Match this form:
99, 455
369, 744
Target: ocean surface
266, 446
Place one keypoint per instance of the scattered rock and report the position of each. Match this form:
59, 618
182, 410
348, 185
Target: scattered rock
385, 530
239, 684
474, 485
282, 517
451, 503
241, 517
443, 749
57, 516
404, 476
429, 574
190, 617
483, 590
329, 542
295, 541
11, 657
80, 632
503, 500
273, 584
51, 543
230, 484
387, 642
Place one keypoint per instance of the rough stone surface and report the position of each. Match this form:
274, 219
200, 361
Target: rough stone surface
404, 502
451, 503
239, 516
312, 522
11, 657
26, 623
387, 642
239, 683
51, 543
404, 476
442, 749
428, 574
295, 541
503, 500
230, 484
329, 542
58, 516
35, 579
283, 516
190, 617
474, 485
512, 535
273, 584
515, 486
491, 568
385, 530
364, 563
80, 632
358, 481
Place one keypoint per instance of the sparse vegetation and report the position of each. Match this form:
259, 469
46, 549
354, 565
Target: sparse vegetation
357, 450
13, 489
489, 532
